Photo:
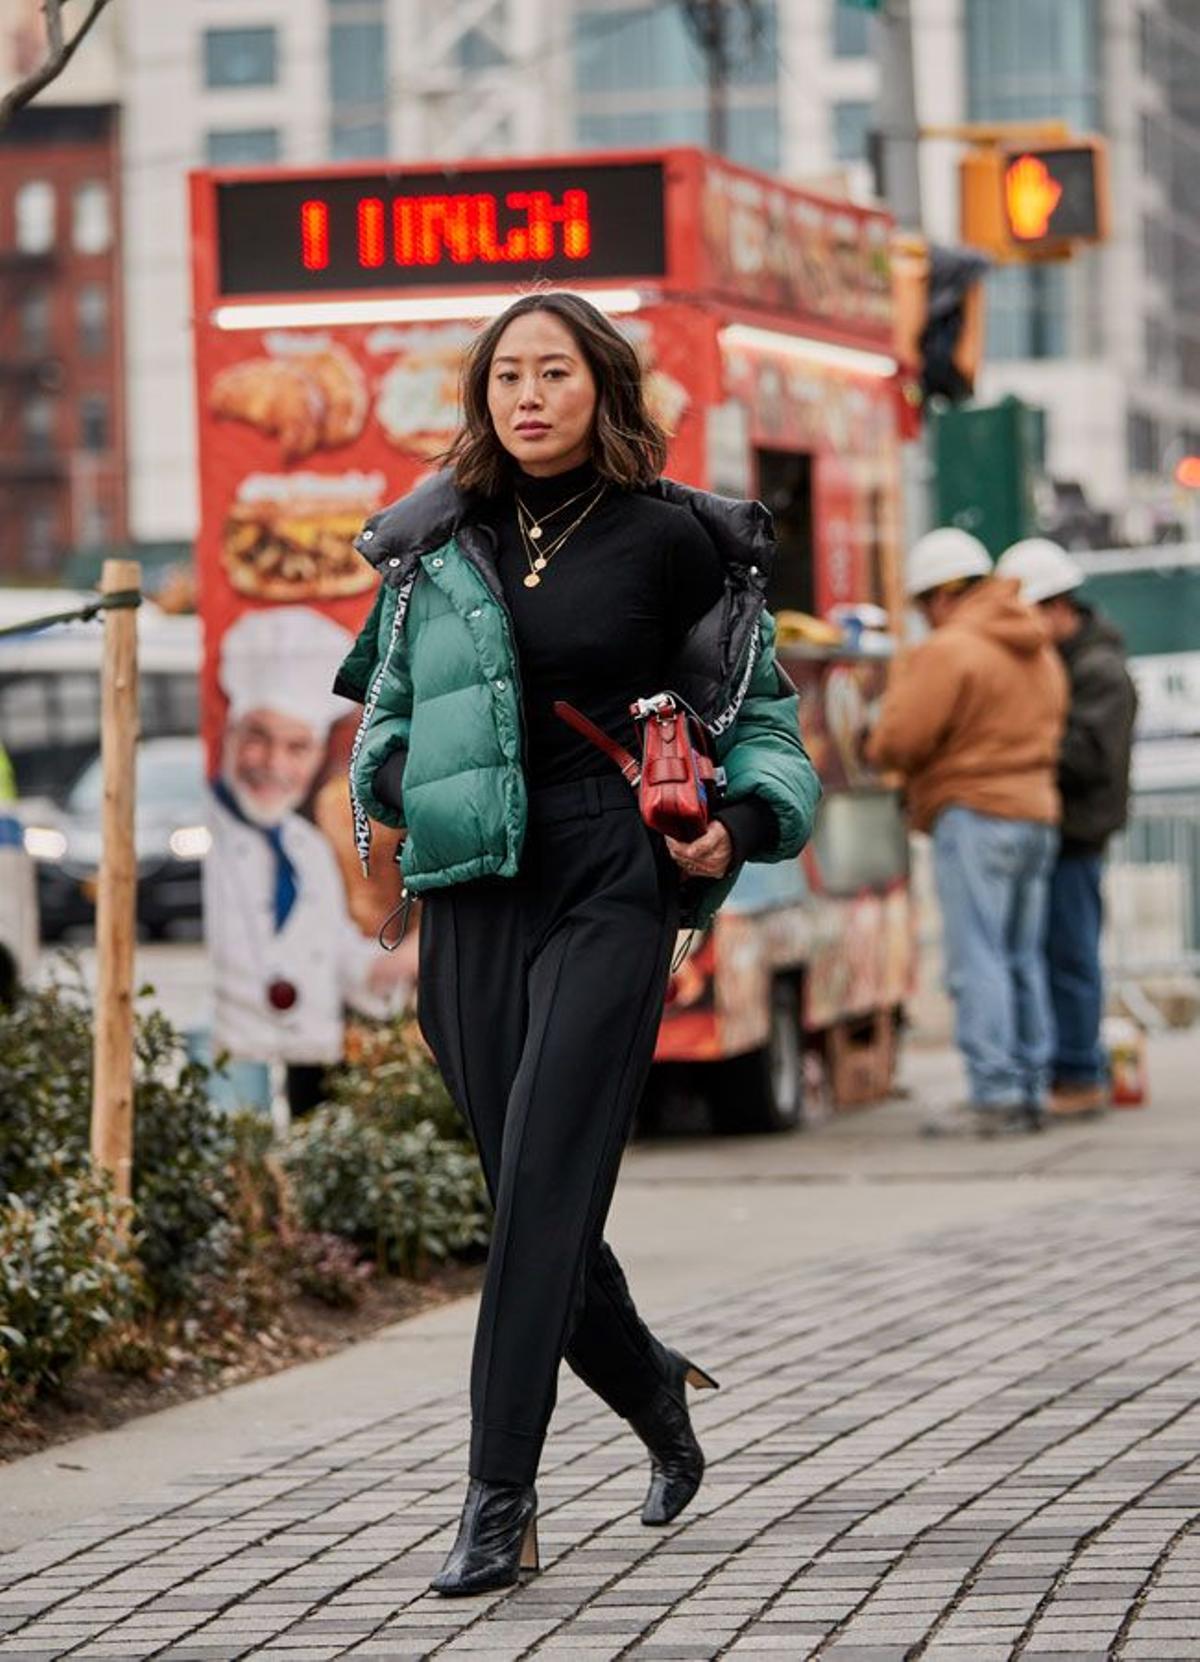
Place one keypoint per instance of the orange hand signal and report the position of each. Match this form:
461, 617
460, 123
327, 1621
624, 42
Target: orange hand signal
1032, 196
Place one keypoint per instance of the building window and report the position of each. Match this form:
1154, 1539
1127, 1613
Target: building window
242, 146
851, 31
651, 47
357, 140
641, 80
33, 210
35, 322
95, 525
91, 316
1028, 314
1142, 443
635, 129
40, 550
754, 136
93, 421
1158, 349
753, 132
1033, 58
477, 50
358, 84
357, 63
37, 421
851, 130
1156, 247
240, 57
1189, 363
91, 229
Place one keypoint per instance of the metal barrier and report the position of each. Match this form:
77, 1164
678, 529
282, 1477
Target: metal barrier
1152, 888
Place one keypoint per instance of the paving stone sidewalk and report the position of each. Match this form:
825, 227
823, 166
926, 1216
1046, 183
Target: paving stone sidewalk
985, 1445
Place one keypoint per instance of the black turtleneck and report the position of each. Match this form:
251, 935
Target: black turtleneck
601, 627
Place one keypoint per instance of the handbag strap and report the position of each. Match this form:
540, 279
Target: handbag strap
615, 752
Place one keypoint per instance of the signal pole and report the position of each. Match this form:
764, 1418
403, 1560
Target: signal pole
708, 21
898, 173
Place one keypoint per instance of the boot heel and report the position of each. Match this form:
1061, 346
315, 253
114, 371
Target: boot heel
530, 1557
699, 1380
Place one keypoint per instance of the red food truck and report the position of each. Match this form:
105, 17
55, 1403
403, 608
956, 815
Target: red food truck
332, 307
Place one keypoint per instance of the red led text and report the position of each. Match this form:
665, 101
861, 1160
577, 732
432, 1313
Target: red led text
427, 230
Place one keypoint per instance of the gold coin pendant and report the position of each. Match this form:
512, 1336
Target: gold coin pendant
532, 581
540, 564
535, 531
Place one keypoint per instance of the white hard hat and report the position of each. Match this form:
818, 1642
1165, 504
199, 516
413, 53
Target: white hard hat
944, 556
284, 658
1041, 567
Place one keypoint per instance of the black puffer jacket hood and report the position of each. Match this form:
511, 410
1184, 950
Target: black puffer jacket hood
716, 652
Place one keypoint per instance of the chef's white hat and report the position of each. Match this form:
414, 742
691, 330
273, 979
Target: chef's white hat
285, 658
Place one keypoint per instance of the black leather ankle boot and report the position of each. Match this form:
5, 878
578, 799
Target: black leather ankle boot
664, 1425
497, 1540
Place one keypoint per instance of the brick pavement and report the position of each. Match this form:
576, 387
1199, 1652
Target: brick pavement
984, 1445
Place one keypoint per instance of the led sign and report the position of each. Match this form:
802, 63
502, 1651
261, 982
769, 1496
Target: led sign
325, 234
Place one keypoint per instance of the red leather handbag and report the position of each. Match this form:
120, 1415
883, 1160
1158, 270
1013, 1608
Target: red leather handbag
676, 779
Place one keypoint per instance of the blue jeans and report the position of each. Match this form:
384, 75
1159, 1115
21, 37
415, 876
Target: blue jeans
1073, 956
993, 882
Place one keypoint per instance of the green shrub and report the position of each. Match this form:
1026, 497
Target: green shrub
66, 1277
182, 1148
407, 1195
389, 1078
328, 1268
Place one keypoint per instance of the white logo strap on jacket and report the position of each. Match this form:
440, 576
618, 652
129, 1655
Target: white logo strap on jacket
730, 713
362, 825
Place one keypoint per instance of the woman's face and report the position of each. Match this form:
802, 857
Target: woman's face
541, 395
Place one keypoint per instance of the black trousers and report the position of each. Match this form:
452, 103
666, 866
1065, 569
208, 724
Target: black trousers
540, 997
304, 1085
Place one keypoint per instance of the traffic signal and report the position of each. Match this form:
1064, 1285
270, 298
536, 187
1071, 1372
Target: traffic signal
1035, 202
939, 314
1187, 473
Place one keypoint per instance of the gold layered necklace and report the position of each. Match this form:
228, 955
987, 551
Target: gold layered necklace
536, 524
532, 532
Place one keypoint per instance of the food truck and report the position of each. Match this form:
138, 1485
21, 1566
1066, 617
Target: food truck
332, 308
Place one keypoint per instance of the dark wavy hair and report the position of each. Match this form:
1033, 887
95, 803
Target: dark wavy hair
629, 448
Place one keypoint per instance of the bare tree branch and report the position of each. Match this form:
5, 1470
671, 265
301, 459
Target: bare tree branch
59, 52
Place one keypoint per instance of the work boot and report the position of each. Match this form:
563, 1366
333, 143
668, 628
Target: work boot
984, 1121
1078, 1101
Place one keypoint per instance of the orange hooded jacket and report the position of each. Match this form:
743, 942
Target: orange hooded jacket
973, 717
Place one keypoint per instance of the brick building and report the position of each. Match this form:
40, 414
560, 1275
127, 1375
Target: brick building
62, 416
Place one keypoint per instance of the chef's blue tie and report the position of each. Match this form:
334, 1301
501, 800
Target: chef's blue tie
287, 886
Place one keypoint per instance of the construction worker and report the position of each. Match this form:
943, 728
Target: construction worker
1093, 777
972, 719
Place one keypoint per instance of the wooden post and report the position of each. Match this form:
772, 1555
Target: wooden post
116, 906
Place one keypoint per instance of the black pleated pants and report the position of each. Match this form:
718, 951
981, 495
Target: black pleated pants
540, 997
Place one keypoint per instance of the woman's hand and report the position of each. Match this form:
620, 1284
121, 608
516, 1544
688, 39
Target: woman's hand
708, 856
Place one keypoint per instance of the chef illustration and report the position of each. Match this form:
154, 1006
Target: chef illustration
287, 957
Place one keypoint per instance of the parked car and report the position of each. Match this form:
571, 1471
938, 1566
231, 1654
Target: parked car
18, 894
171, 837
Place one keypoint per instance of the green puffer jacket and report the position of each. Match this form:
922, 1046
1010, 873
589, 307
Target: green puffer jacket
435, 669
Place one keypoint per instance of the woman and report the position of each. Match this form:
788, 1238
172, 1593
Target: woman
549, 561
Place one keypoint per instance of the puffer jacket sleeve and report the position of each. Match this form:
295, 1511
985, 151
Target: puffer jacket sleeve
764, 756
378, 662
354, 676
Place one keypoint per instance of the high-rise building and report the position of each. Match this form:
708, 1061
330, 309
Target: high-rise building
1108, 345
298, 82
62, 426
